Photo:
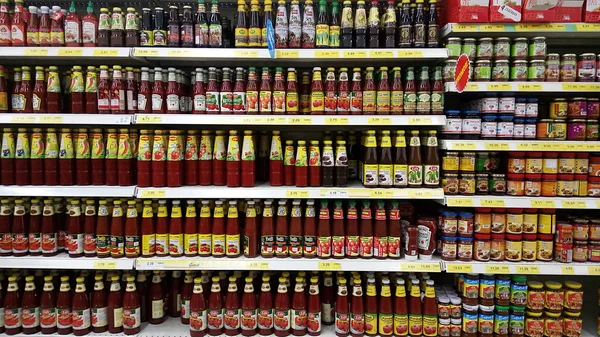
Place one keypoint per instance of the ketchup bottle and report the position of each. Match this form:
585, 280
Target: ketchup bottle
19, 25
356, 94
117, 244
215, 309
90, 27
205, 230
48, 307
248, 158
199, 94
172, 93
99, 309
380, 242
162, 236
197, 310
144, 159
386, 320
75, 237
281, 314
63, 307
342, 316
233, 160
81, 309
301, 164
175, 159
317, 96
366, 231
102, 230
330, 93
115, 306
186, 295
35, 228
30, 312
231, 316
327, 300
147, 230
295, 238
159, 158
19, 230
291, 93
324, 234
265, 308
219, 170
219, 243
265, 99
400, 310
176, 230
22, 154
77, 89
48, 230
44, 26
7, 156
232, 236
66, 156
72, 28
206, 158
191, 159
131, 308
314, 164
357, 318
82, 157
157, 315
132, 237
39, 91
33, 36
190, 236
267, 247
338, 235
276, 173
299, 317
12, 308
282, 230
158, 92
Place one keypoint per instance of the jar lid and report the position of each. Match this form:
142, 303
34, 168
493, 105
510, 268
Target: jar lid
532, 100
449, 213
531, 210
519, 278
452, 112
533, 176
444, 321
572, 314
533, 314
552, 314
455, 300
528, 236
515, 210
569, 154
581, 177
514, 237
535, 285
550, 154
449, 238
479, 236
572, 285
471, 112
545, 237
553, 285
549, 176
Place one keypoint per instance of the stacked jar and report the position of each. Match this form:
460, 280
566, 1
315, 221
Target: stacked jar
469, 173
584, 234
449, 311
554, 309
581, 115
455, 240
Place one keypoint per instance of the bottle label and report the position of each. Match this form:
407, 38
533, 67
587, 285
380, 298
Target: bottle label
366, 246
89, 32
199, 103
317, 101
99, 317
19, 243
252, 99
173, 103
370, 324
380, 247
132, 245
148, 244
430, 325
201, 35
415, 176
157, 102
338, 245
175, 244
437, 101
6, 243
216, 35
322, 35
431, 175
291, 102
265, 319
239, 101
233, 244
313, 323
400, 175
356, 101
267, 244
330, 101
369, 98
299, 320
279, 101
400, 325
383, 101
198, 320
231, 319
218, 246
47, 318
327, 312
385, 175
226, 99
310, 245
162, 244
334, 36
324, 246
74, 243
157, 309
357, 324
160, 38
132, 318
281, 320
397, 101
141, 102
204, 244
62, 238
281, 244
265, 101
190, 244
64, 319
342, 323
102, 244
415, 322
295, 246
410, 102
386, 324
213, 103
30, 317
352, 246
423, 102
117, 245
12, 318
370, 174
249, 319
81, 319
35, 242
215, 319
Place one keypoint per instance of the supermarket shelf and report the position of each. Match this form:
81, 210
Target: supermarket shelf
63, 261
296, 120
518, 145
260, 263
65, 119
68, 191
64, 53
265, 191
523, 268
528, 87
521, 202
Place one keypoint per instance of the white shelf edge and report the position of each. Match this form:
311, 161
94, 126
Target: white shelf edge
67, 52
65, 119
506, 201
63, 261
518, 145
529, 87
68, 191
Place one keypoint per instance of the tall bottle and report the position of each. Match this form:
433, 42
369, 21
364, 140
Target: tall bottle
173, 33
334, 27
215, 309
81, 309
117, 28
265, 308
281, 25
12, 308
231, 311
437, 92
431, 167
383, 92
420, 35
215, 28
197, 310
322, 28
423, 92
201, 30
308, 25
415, 163
410, 92
371, 311
389, 25
254, 32
324, 233
131, 308
281, 314
400, 160
405, 29
347, 25
373, 25
233, 160
30, 310
385, 167
415, 313
342, 315
64, 304
267, 17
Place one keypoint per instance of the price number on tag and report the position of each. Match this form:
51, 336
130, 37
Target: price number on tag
336, 120
153, 194
497, 269
151, 264
542, 204
459, 268
246, 53
421, 194
51, 119
472, 87
588, 27
106, 52
358, 54
179, 53
568, 270
330, 266
496, 146
381, 194
459, 202
491, 203
491, 28
105, 264
36, 52
334, 193
594, 270
23, 119
381, 54
296, 194
419, 120
148, 119
70, 52
528, 270
327, 54
299, 120
420, 267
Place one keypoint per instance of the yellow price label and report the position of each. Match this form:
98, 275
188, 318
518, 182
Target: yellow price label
587, 27
145, 52
578, 204
330, 266
379, 54
460, 145
379, 121
336, 120
287, 54
420, 267
542, 204
381, 194
153, 194
499, 87
421, 194
497, 269
104, 52
179, 53
529, 87
529, 146
35, 52
272, 120
51, 119
245, 53
70, 52
327, 54
594, 270
331, 193
539, 27
568, 270
23, 119
355, 54
491, 203
597, 204
491, 28
459, 268
299, 120
496, 147
257, 265
528, 269
465, 28
409, 53
296, 194
105, 264
148, 119
459, 202
472, 87
419, 120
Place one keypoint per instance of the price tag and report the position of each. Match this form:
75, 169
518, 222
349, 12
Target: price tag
539, 27
492, 28
51, 119
499, 87
529, 87
380, 54
460, 145
420, 267
105, 52
296, 194
287, 54
338, 194
409, 53
379, 121
149, 264
271, 120
153, 194
148, 119
422, 194
578, 204
420, 120
542, 203
356, 193
23, 119
35, 52
70, 52
330, 266
105, 264
336, 120
459, 202
496, 146
497, 269
472, 87
594, 270
355, 54
568, 270
245, 53
179, 53
459, 268
491, 203
257, 265
143, 52
528, 146
528, 269
587, 27
327, 54
299, 120
381, 194
465, 28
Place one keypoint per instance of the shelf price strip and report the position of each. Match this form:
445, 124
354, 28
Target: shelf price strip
433, 267
459, 268
497, 269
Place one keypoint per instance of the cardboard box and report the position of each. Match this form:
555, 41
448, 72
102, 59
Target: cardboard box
570, 11
540, 10
592, 11
467, 10
506, 10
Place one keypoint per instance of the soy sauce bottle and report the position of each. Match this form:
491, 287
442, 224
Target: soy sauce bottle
347, 25
373, 25
360, 25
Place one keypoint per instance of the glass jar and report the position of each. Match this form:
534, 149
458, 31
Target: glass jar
482, 183
537, 48
573, 296
482, 223
497, 184
572, 324
581, 229
449, 223
518, 71
498, 221
532, 108
483, 70
449, 248
536, 71
576, 129
580, 251
545, 247
519, 129
518, 290
565, 185
529, 247
467, 162
534, 163
485, 48
450, 183
533, 185
550, 163
530, 128
471, 125
593, 108
568, 68
534, 324
558, 108
466, 184
465, 224
454, 45
514, 221
497, 247
552, 324
554, 296
518, 49
552, 67
501, 71
535, 296
465, 249
501, 319
505, 126
482, 247
586, 68
517, 321
489, 126
469, 48
502, 48
450, 162
548, 185
514, 248
515, 184
592, 129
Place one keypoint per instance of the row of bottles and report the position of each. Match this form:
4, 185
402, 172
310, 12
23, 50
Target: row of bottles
224, 91
117, 228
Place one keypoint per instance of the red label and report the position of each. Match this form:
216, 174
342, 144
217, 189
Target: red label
461, 73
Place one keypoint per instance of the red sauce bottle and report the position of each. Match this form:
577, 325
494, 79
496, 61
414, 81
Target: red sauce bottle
281, 313
279, 103
357, 318
317, 96
176, 231
233, 160
144, 159
99, 308
61, 220
81, 309
380, 232
89, 227
231, 312
44, 27
22, 154
212, 92
197, 310
162, 228
267, 246
30, 310
295, 238
252, 96
117, 28
191, 159
265, 99
324, 232
117, 244
172, 93
75, 237
199, 94
7, 156
131, 96
314, 164
352, 232
366, 231
3, 90
342, 316
82, 157
313, 320
48, 230
131, 308
248, 309
232, 236
291, 93
17, 100
157, 315
97, 155
371, 308
327, 300
219, 244
104, 91
39, 91
226, 92
343, 93
410, 92
26, 90
159, 158
12, 308
265, 308
251, 243
281, 230
186, 295
430, 318
206, 158
276, 161
48, 307
63, 307
117, 88
386, 318
215, 309
383, 92
301, 165
369, 94
309, 240
51, 151
400, 310
394, 231
330, 92
72, 28
19, 230
158, 92
102, 230
190, 236
338, 238
115, 306
147, 230
90, 27
144, 97
248, 160
19, 26
219, 160
205, 230
397, 93
132, 237
299, 316
415, 313
5, 228
175, 159
35, 228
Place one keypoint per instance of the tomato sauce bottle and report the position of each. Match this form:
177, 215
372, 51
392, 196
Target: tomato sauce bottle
233, 160
281, 312
281, 230
330, 94
327, 300
232, 236
324, 232
19, 230
400, 310
117, 88
175, 159
162, 228
289, 162
81, 309
252, 92
157, 315
22, 154
380, 241
430, 317
219, 170
301, 165
186, 295
104, 91
33, 36
48, 307
117, 244
299, 319
75, 231
248, 309
30, 310
226, 92
97, 157
12, 308
39, 91
251, 243
130, 91
248, 160
231, 312
369, 93
63, 307
197, 310
313, 319
394, 231
37, 156
212, 95
205, 230
266, 92
159, 158
265, 308
102, 230
98, 306
386, 318
291, 93
191, 159
158, 92
5, 228
35, 228
366, 231
352, 232
62, 222
415, 313
317, 96
338, 239
342, 316
111, 169
89, 27
383, 92
215, 309
7, 157
199, 94
72, 28
82, 157
144, 159
410, 92
176, 230
172, 93
115, 306
267, 239
371, 308
279, 92
48, 230
125, 159
132, 237
357, 318
27, 90
17, 99
76, 89
295, 238
314, 164
131, 308
206, 158
190, 236
219, 243
276, 160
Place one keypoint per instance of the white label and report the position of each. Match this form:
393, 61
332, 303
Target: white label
81, 319
385, 175
156, 102
141, 102
185, 308
99, 317
157, 309
118, 317
132, 318
510, 13
48, 315
103, 104
89, 32
72, 32
198, 321
327, 312
131, 102
471, 126
249, 319
199, 103
75, 243
489, 129
453, 126
173, 102
424, 237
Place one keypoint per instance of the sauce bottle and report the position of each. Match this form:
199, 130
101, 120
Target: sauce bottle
265, 308
324, 232
309, 240
186, 295
410, 92
383, 92
267, 246
219, 243
174, 293
117, 28
19, 26
301, 165
38, 93
373, 25
117, 246
369, 94
327, 300
48, 307
232, 236
63, 307
174, 159
132, 237
357, 317
35, 228
143, 167
98, 154
5, 228
115, 306
102, 230
360, 25
308, 25
430, 318
156, 299
267, 16
389, 25
415, 164
241, 29
328, 164
405, 29
356, 94
278, 104
4, 91
400, 309
233, 160
314, 164
342, 316
437, 92
12, 308
251, 241
22, 154
431, 167
347, 25
281, 230
281, 314
159, 158
289, 164
131, 308
197, 310
175, 239
104, 91
330, 94
19, 229
370, 167
215, 27
26, 91
371, 308
338, 239
322, 28
254, 32
239, 104
30, 310
158, 92
206, 158
75, 237
386, 317
281, 25
89, 27
72, 28
276, 162
104, 27
380, 231
415, 314
299, 319
81, 309
295, 237
5, 21
248, 177
385, 167
199, 97
219, 161
423, 92
394, 231
57, 32
131, 96
117, 97
226, 92
265, 95
397, 93
231, 315
98, 306
366, 230
215, 309
190, 246
147, 230
317, 96
91, 91
82, 157
420, 28
205, 230
352, 240
341, 164
201, 33
89, 229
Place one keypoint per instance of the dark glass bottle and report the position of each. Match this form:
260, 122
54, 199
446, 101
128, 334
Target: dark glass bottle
432, 27
160, 28
360, 25
347, 25
373, 25
173, 27
201, 26
146, 35
334, 27
405, 29
215, 28
187, 28
322, 29
419, 23
389, 25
